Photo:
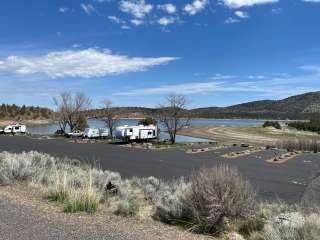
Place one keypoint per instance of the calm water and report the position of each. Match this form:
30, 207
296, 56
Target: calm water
96, 123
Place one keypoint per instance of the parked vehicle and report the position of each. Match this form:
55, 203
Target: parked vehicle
75, 134
103, 132
91, 133
1, 131
140, 132
96, 133
15, 129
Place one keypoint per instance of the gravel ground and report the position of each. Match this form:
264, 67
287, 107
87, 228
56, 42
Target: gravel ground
27, 216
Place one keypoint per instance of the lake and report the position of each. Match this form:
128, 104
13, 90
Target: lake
97, 123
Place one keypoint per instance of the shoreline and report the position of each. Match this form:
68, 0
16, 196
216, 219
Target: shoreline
28, 123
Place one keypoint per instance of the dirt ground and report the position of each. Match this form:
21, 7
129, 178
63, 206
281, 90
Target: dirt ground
25, 214
254, 134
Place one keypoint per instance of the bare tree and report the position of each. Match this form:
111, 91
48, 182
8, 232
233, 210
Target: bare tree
69, 109
173, 115
110, 116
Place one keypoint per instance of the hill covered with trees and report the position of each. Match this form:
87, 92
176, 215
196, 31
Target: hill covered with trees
14, 112
296, 107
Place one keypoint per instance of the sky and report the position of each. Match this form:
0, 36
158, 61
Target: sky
137, 52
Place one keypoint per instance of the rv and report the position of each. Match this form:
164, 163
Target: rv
15, 129
95, 133
131, 133
103, 132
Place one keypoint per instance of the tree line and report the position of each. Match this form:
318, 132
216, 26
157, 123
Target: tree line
313, 125
12, 111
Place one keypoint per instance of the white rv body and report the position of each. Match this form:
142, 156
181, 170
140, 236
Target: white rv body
15, 129
91, 133
103, 132
95, 133
136, 132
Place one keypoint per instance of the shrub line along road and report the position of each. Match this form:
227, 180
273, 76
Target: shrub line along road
285, 181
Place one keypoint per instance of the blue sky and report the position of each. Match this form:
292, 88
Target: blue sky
216, 52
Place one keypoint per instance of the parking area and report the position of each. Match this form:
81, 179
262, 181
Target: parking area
286, 181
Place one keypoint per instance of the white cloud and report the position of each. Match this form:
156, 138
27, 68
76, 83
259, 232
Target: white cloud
125, 27
137, 22
241, 14
276, 10
88, 8
115, 19
63, 9
79, 63
262, 85
312, 68
195, 7
168, 8
222, 77
164, 21
311, 1
231, 20
137, 8
245, 3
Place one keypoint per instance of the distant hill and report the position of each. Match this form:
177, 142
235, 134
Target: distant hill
14, 112
295, 107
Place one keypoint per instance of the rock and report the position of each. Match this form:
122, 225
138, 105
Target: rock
234, 236
293, 219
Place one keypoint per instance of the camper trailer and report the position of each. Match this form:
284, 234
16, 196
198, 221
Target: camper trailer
103, 132
131, 133
95, 133
15, 129
91, 133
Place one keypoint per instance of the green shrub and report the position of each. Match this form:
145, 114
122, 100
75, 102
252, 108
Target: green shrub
272, 124
128, 207
312, 125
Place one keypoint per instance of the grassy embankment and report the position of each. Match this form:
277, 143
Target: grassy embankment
216, 201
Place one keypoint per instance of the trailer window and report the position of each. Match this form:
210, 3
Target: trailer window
131, 130
16, 128
149, 133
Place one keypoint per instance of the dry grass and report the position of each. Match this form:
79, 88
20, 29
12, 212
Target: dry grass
312, 145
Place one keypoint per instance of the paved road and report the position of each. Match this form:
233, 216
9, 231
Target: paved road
285, 181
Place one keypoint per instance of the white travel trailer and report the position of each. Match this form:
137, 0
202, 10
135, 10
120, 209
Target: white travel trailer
95, 133
91, 133
140, 132
103, 132
15, 129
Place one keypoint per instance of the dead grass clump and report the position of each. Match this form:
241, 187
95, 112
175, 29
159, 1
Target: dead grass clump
312, 145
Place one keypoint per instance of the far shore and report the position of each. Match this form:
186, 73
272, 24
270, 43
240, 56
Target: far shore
29, 123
